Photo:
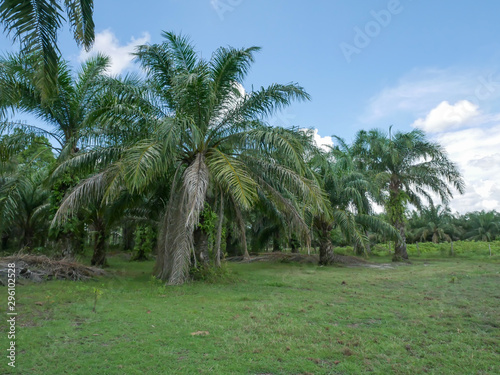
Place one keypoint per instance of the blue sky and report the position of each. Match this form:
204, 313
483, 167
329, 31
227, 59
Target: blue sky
366, 63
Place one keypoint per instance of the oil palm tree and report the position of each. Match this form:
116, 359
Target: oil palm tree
209, 136
24, 206
407, 168
35, 24
482, 226
435, 223
68, 112
99, 214
350, 193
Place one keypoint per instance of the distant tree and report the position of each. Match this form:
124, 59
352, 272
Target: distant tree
23, 198
350, 193
435, 223
24, 207
481, 226
407, 168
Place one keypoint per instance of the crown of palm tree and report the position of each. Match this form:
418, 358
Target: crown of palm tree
67, 113
35, 24
196, 124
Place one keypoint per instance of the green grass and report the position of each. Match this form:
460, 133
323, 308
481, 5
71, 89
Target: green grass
478, 250
438, 316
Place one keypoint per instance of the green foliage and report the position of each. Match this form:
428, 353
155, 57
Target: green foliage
144, 241
156, 286
396, 206
24, 208
213, 275
35, 24
435, 224
481, 226
60, 188
26, 150
74, 225
460, 248
208, 222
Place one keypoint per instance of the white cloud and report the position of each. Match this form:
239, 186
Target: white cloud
321, 142
476, 152
446, 116
108, 44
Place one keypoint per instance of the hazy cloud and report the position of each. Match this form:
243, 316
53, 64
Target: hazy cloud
418, 92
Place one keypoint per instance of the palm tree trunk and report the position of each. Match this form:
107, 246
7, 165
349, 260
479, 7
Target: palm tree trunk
358, 250
28, 237
219, 232
128, 237
99, 256
244, 244
396, 215
176, 239
294, 243
140, 241
368, 246
241, 224
201, 246
400, 252
326, 255
276, 242
231, 248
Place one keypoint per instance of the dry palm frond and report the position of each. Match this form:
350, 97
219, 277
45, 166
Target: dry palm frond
39, 267
180, 221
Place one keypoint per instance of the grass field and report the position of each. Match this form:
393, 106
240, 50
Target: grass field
439, 316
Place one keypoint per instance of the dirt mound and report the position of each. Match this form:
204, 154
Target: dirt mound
295, 258
39, 268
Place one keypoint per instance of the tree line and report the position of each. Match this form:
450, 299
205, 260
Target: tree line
182, 162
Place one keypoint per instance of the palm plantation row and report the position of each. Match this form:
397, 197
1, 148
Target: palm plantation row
184, 161
438, 224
